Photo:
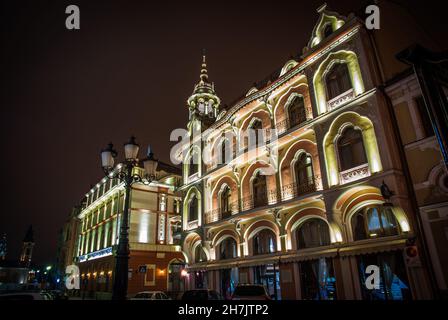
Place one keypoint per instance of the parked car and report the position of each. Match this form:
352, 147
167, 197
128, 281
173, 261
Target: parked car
151, 295
201, 295
58, 294
25, 296
250, 292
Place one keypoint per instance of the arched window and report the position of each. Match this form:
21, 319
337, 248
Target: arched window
199, 254
193, 209
256, 126
225, 201
374, 222
351, 150
226, 154
264, 242
338, 80
259, 190
328, 30
296, 111
304, 174
227, 249
313, 233
193, 165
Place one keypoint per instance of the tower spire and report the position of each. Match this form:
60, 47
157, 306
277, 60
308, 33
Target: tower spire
204, 74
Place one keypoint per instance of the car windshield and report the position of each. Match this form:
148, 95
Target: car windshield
249, 291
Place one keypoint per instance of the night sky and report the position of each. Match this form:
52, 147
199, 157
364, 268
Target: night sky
128, 71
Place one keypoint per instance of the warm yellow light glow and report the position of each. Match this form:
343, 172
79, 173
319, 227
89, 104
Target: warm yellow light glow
404, 226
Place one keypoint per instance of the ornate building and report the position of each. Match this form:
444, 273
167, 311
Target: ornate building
307, 212
156, 260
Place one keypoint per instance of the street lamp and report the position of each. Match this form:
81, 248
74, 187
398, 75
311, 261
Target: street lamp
127, 175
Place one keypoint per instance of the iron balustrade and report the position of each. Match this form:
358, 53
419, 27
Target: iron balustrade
265, 198
218, 214
293, 190
291, 122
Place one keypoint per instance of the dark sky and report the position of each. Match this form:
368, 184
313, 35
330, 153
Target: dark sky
129, 70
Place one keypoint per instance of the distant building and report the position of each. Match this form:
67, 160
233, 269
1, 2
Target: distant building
155, 260
14, 274
67, 241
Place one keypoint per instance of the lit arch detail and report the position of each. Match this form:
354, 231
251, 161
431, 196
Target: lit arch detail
192, 191
369, 140
348, 203
342, 56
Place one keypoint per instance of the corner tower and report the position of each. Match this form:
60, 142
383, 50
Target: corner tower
27, 247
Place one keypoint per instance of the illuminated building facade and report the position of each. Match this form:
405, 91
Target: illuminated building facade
156, 260
306, 213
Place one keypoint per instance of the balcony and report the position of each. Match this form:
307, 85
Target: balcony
286, 124
340, 99
192, 224
269, 197
294, 190
355, 173
217, 214
260, 200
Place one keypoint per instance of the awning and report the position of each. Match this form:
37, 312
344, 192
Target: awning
372, 247
309, 255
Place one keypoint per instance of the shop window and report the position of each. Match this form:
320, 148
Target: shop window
393, 284
317, 279
268, 275
313, 233
373, 222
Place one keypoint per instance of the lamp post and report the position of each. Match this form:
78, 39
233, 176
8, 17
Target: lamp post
127, 175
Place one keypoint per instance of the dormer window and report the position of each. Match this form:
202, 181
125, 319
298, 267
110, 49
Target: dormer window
328, 30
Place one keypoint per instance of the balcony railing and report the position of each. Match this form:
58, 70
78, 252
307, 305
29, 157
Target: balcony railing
266, 198
218, 214
288, 123
341, 99
192, 224
294, 190
354, 174
261, 199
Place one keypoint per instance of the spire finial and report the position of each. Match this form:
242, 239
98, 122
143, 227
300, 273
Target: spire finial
204, 75
150, 154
